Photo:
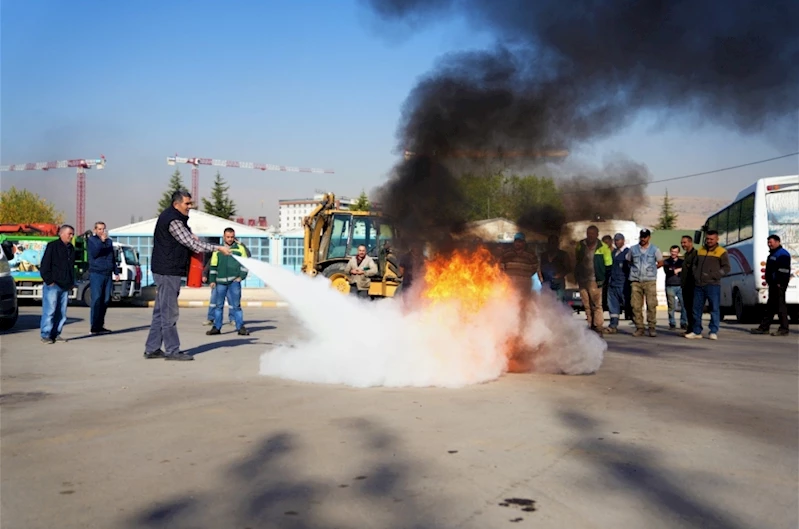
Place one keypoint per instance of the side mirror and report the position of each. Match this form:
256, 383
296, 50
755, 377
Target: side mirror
697, 237
8, 250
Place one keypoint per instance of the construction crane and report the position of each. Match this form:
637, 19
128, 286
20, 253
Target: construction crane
81, 165
197, 162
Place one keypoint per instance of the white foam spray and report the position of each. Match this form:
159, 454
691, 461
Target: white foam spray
361, 343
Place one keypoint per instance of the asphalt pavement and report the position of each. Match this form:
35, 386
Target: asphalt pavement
669, 433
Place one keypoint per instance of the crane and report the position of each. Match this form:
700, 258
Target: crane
81, 164
197, 162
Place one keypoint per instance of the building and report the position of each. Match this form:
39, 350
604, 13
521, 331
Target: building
291, 211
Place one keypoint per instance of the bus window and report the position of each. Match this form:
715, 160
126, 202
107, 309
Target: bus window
733, 223
722, 227
747, 218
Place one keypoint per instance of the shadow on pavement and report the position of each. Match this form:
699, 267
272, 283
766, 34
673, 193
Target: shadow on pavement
112, 334
210, 346
277, 486
27, 322
637, 470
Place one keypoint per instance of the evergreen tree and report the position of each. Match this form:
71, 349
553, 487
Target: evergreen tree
220, 204
362, 203
668, 218
175, 183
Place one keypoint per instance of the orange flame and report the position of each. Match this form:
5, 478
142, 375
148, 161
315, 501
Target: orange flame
470, 278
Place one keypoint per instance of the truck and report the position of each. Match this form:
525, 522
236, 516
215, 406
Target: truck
332, 236
26, 246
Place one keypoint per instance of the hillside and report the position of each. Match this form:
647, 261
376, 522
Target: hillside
692, 211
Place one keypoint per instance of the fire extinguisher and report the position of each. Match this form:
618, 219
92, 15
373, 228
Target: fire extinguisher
195, 277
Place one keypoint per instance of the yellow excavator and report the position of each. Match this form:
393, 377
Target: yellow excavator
332, 236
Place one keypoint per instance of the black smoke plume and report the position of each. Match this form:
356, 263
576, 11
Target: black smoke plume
565, 73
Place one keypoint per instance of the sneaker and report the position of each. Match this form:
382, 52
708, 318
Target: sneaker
213, 331
758, 330
713, 336
101, 331
206, 323
243, 331
47, 340
652, 333
692, 336
179, 357
155, 354
58, 339
781, 332
638, 333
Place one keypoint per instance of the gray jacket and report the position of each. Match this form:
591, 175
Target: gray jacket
362, 281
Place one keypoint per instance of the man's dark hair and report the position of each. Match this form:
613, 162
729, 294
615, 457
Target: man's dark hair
711, 232
229, 230
592, 227
687, 237
774, 237
179, 194
674, 247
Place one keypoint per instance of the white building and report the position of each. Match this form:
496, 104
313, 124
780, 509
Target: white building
292, 211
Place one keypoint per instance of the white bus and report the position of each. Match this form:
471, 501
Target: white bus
769, 206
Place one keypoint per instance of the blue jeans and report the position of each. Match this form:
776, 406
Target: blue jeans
616, 302
674, 293
54, 303
232, 293
100, 285
711, 293
212, 306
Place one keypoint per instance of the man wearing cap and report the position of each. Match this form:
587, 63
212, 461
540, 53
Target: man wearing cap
520, 265
618, 282
592, 260
645, 259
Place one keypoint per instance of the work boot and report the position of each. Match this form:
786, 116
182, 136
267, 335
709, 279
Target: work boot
612, 330
179, 357
684, 326
781, 332
243, 331
47, 340
155, 354
758, 330
672, 326
100, 331
213, 331
638, 333
652, 333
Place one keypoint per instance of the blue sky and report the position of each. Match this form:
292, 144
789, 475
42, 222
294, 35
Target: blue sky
309, 83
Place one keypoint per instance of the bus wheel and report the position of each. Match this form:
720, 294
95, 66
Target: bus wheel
87, 296
743, 314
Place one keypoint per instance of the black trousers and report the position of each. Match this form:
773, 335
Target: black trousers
688, 301
776, 305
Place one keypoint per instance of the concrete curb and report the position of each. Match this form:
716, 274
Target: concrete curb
198, 304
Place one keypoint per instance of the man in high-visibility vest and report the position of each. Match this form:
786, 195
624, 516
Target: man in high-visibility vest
226, 276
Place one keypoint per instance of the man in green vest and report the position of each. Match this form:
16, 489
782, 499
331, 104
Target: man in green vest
226, 276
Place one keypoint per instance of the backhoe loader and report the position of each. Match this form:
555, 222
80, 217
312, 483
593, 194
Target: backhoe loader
332, 237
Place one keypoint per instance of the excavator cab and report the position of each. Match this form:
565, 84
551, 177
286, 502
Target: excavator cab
332, 237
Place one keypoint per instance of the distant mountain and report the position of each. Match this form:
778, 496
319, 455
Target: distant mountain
692, 211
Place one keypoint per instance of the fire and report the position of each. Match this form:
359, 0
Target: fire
469, 278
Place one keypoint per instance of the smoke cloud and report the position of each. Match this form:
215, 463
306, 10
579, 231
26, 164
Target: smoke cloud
365, 344
566, 73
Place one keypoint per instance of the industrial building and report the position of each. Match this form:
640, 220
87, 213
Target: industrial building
291, 211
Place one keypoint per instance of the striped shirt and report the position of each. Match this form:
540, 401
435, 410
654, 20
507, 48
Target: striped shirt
184, 236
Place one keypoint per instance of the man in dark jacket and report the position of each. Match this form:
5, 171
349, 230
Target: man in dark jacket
173, 244
778, 274
619, 282
102, 268
592, 259
712, 263
58, 275
687, 280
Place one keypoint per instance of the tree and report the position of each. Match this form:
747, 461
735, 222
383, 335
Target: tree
175, 183
362, 203
668, 218
514, 197
220, 204
20, 206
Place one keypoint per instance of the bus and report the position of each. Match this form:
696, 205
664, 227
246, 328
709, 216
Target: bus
769, 206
